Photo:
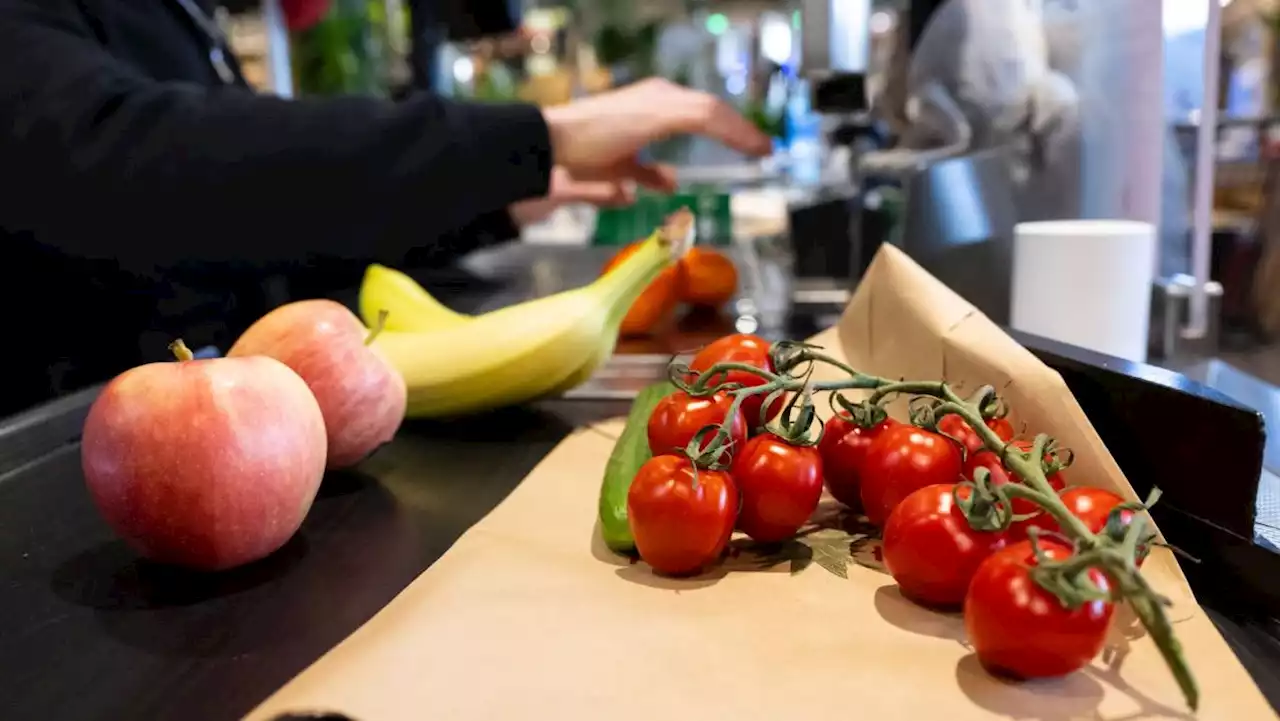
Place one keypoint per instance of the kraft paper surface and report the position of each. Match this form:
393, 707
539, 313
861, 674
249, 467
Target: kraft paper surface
528, 616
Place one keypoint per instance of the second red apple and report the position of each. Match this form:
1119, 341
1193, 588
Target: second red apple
361, 396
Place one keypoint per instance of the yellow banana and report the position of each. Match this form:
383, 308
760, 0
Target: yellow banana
531, 350
404, 305
407, 305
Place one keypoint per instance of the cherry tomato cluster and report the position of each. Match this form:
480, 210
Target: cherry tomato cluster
911, 481
908, 480
683, 514
972, 517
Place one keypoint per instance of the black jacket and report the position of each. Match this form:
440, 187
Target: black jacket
141, 198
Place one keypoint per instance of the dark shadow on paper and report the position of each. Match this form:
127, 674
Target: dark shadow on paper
742, 556
601, 551
643, 575
1125, 628
833, 540
901, 612
1147, 706
1070, 698
790, 556
1125, 625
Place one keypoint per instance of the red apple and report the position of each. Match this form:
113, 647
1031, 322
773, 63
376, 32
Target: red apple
207, 464
361, 396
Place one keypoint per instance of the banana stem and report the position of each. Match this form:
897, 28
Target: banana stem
620, 287
180, 351
379, 326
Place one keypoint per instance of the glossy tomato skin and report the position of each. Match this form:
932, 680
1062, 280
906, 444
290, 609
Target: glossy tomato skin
680, 526
780, 486
902, 460
833, 430
678, 418
656, 304
1094, 506
740, 348
931, 550
1000, 475
844, 453
1019, 629
956, 427
1091, 505
1002, 427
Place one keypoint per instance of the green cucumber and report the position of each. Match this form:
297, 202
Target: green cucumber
629, 453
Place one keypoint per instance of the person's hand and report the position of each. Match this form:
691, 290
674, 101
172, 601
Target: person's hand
598, 138
566, 190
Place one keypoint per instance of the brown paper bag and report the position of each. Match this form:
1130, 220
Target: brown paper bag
528, 616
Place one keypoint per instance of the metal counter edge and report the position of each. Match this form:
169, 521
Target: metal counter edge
36, 432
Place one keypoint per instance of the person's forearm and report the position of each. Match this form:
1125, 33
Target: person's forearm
103, 163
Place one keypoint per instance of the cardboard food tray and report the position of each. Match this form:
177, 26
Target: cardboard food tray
528, 616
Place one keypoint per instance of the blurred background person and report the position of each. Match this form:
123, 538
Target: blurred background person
150, 193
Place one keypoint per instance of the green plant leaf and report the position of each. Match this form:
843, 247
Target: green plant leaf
831, 550
834, 540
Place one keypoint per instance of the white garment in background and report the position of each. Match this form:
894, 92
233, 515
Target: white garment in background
990, 56
1056, 82
980, 78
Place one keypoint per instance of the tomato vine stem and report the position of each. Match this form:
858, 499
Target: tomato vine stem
989, 506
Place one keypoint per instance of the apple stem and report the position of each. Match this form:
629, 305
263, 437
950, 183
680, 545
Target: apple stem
378, 326
181, 351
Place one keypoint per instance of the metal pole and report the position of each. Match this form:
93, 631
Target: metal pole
1202, 195
278, 65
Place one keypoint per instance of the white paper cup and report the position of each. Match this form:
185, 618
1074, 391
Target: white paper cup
1086, 283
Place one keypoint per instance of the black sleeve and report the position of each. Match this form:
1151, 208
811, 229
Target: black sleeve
485, 230
102, 162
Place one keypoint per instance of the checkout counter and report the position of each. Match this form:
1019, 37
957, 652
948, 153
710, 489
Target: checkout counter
90, 632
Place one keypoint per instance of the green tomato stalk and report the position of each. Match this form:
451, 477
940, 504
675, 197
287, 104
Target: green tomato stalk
1115, 551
